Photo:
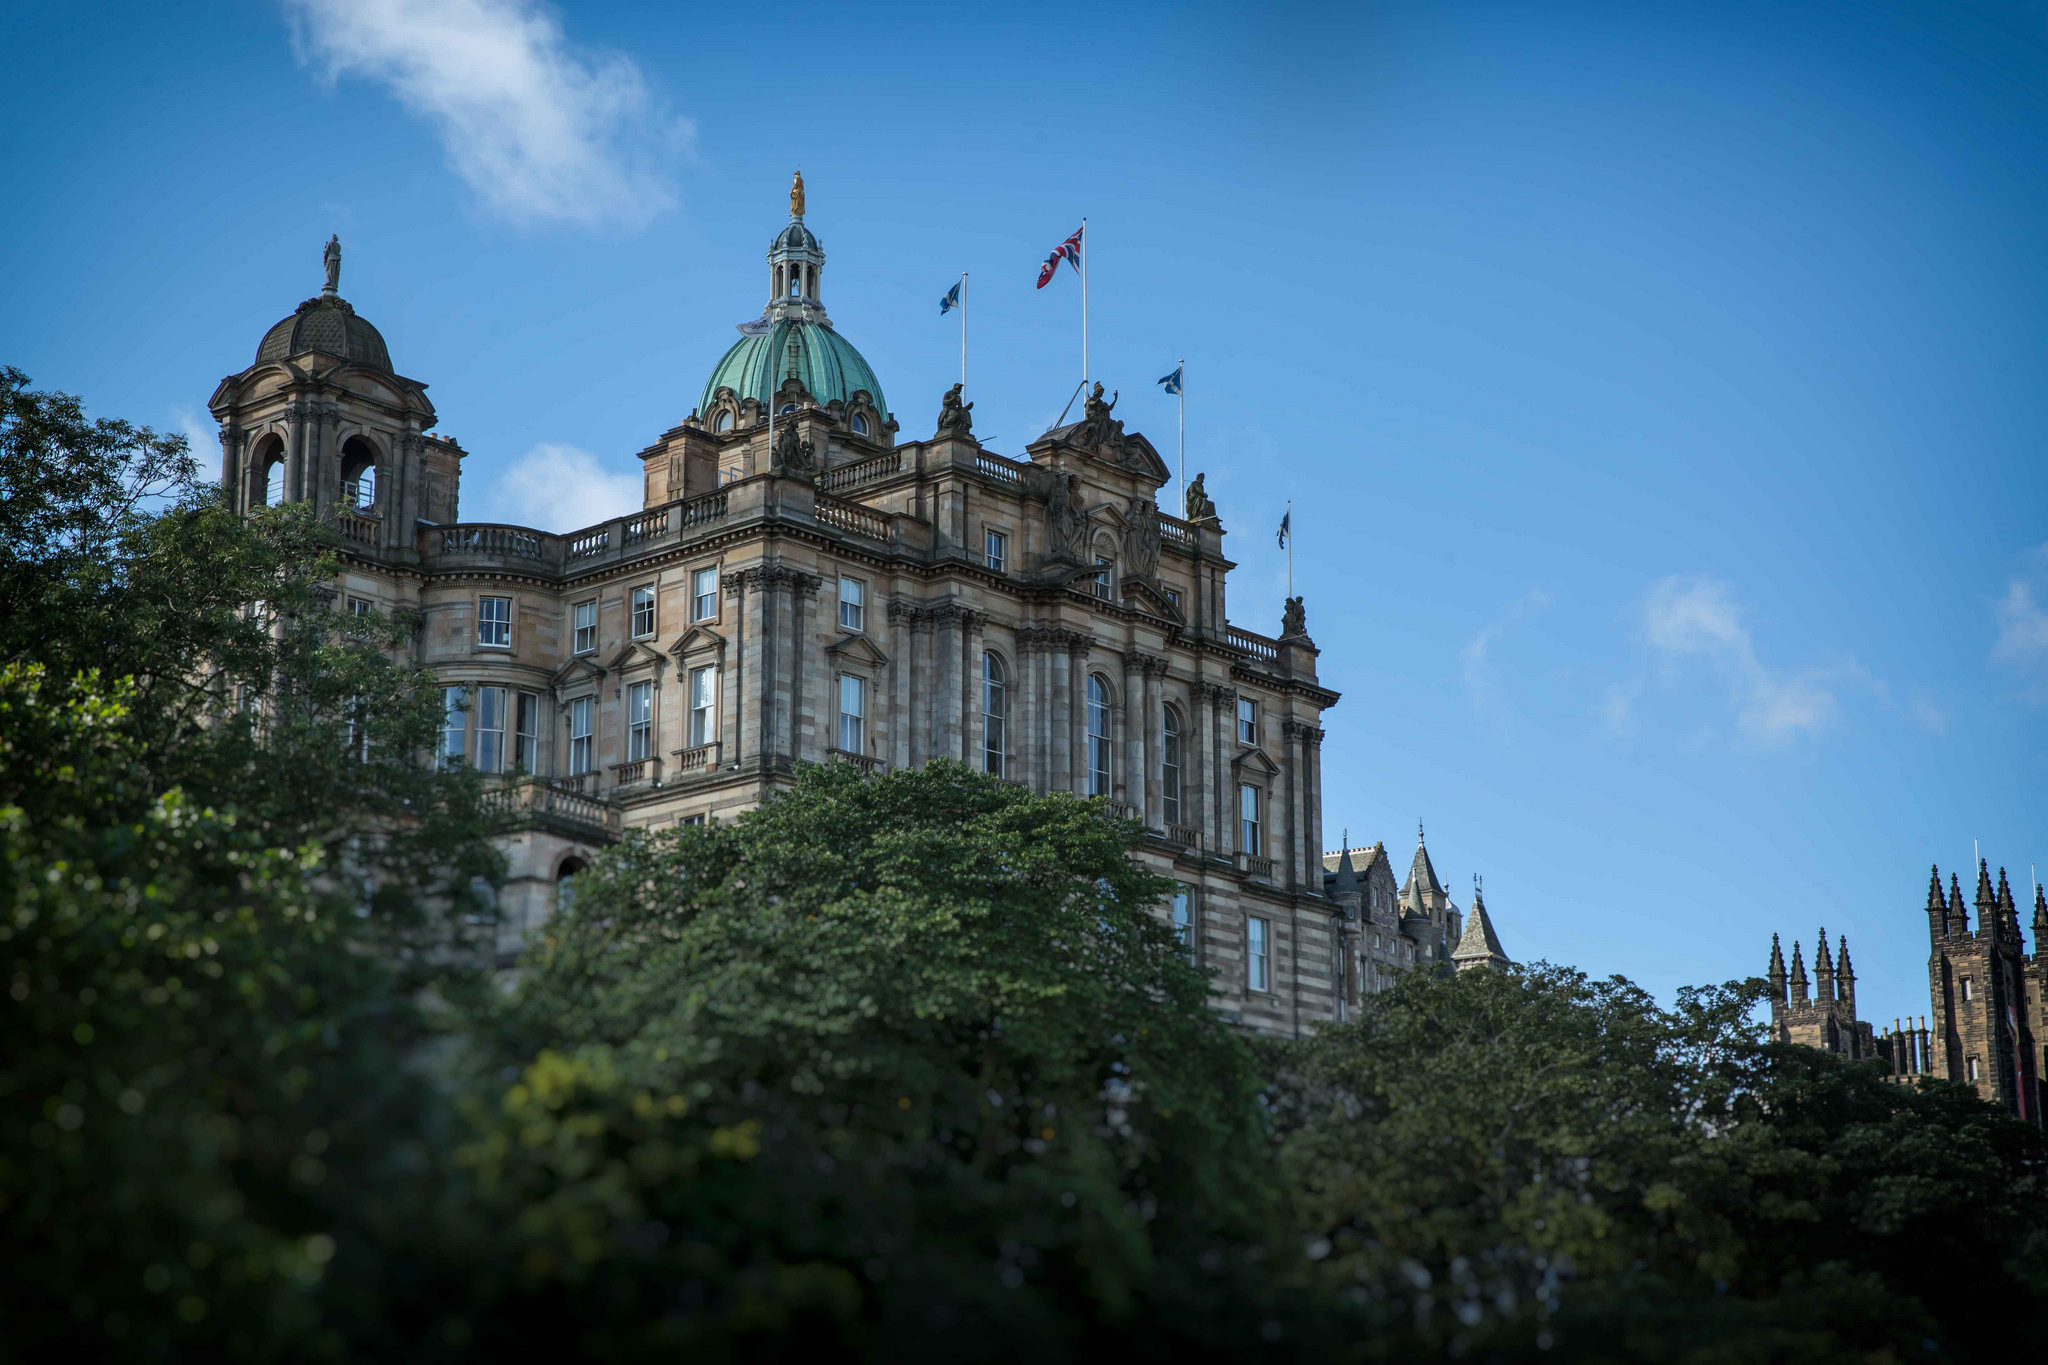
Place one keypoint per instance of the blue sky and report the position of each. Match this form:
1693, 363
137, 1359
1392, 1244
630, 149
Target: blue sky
1658, 388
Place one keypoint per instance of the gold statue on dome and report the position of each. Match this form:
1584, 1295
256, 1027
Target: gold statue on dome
796, 196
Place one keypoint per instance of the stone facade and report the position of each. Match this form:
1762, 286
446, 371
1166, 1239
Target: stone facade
1394, 929
798, 586
1985, 999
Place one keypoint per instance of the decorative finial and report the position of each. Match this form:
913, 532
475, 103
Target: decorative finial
796, 196
1418, 833
332, 259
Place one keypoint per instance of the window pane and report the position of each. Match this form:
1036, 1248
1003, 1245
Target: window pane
1255, 953
643, 612
586, 627
639, 721
1103, 587
994, 708
528, 755
852, 604
1183, 915
582, 719
490, 729
454, 707
1248, 819
1247, 721
704, 594
701, 694
1098, 736
852, 714
998, 551
1169, 764
494, 621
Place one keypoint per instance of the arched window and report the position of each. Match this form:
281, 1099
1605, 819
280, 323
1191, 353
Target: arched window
994, 708
1098, 735
722, 422
565, 889
1169, 762
1105, 571
359, 475
860, 424
796, 281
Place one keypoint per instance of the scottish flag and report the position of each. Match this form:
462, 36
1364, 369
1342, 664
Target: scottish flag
1172, 381
1286, 525
951, 299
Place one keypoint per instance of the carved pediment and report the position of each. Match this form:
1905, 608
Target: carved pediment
1254, 761
857, 649
582, 668
1150, 596
697, 640
635, 654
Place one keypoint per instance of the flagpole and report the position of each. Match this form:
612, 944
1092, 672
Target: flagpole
1084, 302
1290, 547
963, 331
1181, 368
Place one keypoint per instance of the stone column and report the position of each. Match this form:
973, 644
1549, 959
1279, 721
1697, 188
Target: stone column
901, 667
1152, 805
804, 672
949, 628
1060, 719
1294, 733
1131, 781
1222, 715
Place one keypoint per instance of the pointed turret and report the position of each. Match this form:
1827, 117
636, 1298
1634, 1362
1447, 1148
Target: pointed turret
1776, 975
1480, 946
1987, 899
1799, 981
2040, 922
1347, 875
1937, 907
2008, 913
1422, 873
1958, 913
1823, 970
1845, 976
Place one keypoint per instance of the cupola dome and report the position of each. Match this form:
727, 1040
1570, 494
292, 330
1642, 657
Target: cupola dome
328, 325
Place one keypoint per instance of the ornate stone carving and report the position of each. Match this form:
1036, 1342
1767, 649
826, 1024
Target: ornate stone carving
793, 456
1141, 539
771, 577
1196, 505
953, 414
1221, 695
331, 258
1156, 667
1066, 514
1053, 640
1293, 620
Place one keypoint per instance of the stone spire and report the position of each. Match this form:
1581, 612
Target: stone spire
1347, 875
1845, 976
2040, 921
1987, 899
1937, 906
1823, 969
1958, 913
1421, 872
1480, 946
1776, 975
2008, 913
1799, 981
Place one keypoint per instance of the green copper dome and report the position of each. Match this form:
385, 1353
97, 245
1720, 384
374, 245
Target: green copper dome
829, 367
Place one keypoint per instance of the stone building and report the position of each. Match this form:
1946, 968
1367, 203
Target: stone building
799, 584
1417, 924
1985, 998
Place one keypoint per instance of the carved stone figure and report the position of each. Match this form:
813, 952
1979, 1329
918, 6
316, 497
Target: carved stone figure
1141, 539
1097, 430
953, 414
792, 454
796, 196
1196, 504
331, 258
1092, 407
1293, 620
1066, 519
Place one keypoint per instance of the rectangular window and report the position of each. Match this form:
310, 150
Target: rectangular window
690, 820
1973, 1068
1248, 819
852, 604
853, 710
494, 622
1968, 992
639, 721
1247, 721
582, 733
997, 546
358, 730
1183, 915
586, 627
1173, 597
704, 594
1258, 974
1169, 765
357, 607
454, 707
643, 613
490, 729
1104, 588
528, 755
703, 697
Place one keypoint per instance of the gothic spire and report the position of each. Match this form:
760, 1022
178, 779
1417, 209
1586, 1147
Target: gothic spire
1958, 913
2040, 920
1843, 971
1824, 968
1479, 946
1986, 898
1421, 872
1799, 981
2008, 913
1347, 875
1776, 975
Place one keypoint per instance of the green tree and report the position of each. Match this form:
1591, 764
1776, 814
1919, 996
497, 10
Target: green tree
908, 1060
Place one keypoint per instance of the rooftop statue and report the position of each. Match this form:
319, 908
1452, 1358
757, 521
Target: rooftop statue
796, 196
953, 414
1293, 620
331, 258
1195, 503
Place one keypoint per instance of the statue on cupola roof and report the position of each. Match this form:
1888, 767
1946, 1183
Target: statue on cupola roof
796, 196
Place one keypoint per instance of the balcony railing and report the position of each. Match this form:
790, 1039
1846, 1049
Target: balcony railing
867, 763
359, 529
587, 544
1174, 531
996, 467
514, 541
1260, 647
562, 801
860, 472
704, 510
1186, 836
647, 526
852, 517
1262, 868
702, 759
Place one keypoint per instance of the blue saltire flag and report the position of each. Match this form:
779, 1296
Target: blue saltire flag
1286, 522
951, 300
1172, 381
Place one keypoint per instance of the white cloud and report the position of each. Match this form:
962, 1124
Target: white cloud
2023, 627
1474, 656
556, 487
201, 435
1689, 616
540, 132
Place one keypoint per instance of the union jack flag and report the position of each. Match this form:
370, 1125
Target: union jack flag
1069, 251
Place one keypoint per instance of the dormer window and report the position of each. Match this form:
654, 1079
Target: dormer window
722, 422
860, 424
